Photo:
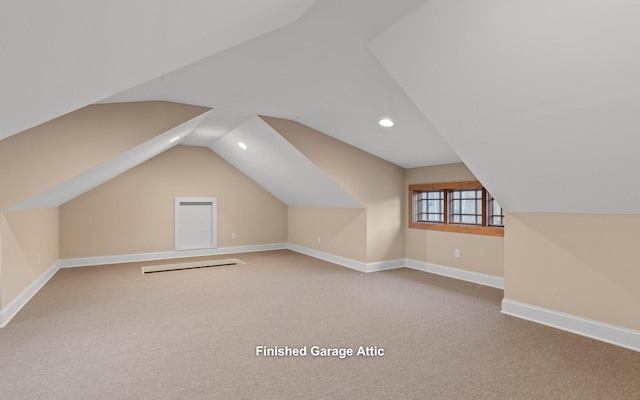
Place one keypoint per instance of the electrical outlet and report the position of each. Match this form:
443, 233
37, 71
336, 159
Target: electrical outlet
39, 259
318, 239
233, 236
456, 253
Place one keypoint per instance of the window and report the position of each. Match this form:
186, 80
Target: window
457, 207
466, 206
496, 213
431, 206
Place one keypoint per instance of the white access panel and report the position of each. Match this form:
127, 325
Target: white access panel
196, 223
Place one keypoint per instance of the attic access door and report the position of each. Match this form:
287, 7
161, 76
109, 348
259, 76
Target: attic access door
196, 223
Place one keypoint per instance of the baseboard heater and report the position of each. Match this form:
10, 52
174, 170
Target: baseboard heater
191, 265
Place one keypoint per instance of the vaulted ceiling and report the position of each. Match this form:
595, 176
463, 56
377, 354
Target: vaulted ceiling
538, 98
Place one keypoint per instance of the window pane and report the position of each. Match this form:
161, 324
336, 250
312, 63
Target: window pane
435, 206
468, 207
430, 206
468, 219
496, 213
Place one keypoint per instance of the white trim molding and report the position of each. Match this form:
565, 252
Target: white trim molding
7, 313
613, 334
343, 261
166, 255
347, 262
461, 274
386, 265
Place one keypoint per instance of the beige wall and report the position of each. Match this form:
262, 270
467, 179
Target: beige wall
29, 248
478, 253
457, 172
42, 157
342, 231
581, 264
134, 212
46, 155
376, 183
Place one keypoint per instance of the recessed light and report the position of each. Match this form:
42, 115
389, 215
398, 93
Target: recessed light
386, 122
174, 139
242, 145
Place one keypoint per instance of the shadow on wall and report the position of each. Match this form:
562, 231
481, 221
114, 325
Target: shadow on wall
29, 248
581, 264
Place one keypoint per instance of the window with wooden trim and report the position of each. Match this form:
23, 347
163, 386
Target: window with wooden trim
496, 213
457, 206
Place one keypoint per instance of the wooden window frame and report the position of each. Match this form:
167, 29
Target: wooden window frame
443, 208
447, 226
483, 206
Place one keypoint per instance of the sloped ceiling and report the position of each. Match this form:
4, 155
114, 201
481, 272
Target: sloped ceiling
270, 160
103, 172
539, 98
319, 72
58, 56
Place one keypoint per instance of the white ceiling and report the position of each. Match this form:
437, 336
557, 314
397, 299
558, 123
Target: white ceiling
268, 160
319, 72
538, 98
272, 162
58, 56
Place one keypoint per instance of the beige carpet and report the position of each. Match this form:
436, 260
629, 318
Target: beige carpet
111, 332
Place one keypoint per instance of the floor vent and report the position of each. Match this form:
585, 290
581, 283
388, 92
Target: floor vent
191, 265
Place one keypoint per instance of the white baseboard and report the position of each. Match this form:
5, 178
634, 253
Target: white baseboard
469, 276
386, 265
345, 262
616, 335
348, 262
166, 255
10, 311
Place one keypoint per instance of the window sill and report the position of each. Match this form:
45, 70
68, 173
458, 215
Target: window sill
478, 230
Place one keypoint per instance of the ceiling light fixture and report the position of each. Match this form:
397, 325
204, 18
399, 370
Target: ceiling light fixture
386, 122
174, 139
242, 145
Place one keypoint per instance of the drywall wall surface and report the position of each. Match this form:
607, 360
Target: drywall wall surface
376, 183
478, 253
29, 248
338, 231
457, 172
581, 264
134, 212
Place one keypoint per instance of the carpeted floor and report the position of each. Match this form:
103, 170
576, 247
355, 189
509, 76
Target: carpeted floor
110, 332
